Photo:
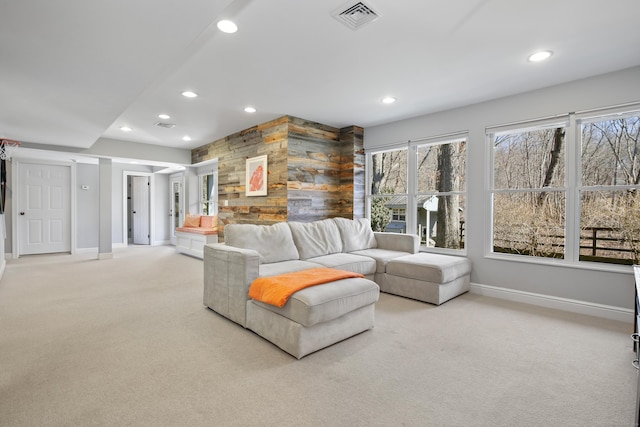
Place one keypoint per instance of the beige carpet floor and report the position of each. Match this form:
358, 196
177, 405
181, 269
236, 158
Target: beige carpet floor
127, 342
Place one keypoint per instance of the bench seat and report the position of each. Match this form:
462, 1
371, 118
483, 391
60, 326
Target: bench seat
197, 231
191, 242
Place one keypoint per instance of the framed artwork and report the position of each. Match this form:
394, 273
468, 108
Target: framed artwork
256, 183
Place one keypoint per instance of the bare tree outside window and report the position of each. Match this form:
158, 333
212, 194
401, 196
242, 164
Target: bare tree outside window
388, 189
609, 200
529, 214
530, 193
440, 187
440, 190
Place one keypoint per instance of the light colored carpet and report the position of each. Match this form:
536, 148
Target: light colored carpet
127, 342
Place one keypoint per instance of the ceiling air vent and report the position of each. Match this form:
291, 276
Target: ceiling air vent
355, 15
165, 125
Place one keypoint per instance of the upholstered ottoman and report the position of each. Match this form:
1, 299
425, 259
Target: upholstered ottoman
317, 316
431, 278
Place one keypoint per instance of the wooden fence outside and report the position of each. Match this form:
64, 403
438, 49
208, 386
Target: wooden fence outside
597, 244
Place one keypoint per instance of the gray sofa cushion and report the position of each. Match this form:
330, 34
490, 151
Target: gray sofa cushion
326, 302
356, 234
317, 238
350, 262
274, 242
382, 257
432, 268
283, 267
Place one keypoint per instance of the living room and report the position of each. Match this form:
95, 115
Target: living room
594, 292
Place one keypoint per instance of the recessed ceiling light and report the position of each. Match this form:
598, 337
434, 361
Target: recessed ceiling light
249, 110
227, 26
189, 94
540, 56
186, 138
164, 116
388, 100
125, 128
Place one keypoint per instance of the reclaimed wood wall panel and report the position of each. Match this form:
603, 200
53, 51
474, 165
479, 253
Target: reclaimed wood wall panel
352, 180
315, 156
315, 172
232, 152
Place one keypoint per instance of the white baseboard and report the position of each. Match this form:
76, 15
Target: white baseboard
548, 301
86, 250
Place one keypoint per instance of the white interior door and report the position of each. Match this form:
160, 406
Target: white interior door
175, 206
44, 209
140, 206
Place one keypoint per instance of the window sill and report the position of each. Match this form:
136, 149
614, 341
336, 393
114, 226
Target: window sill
582, 265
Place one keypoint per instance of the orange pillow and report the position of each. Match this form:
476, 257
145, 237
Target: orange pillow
209, 221
192, 221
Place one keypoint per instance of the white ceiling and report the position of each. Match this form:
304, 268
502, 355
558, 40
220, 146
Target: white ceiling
72, 71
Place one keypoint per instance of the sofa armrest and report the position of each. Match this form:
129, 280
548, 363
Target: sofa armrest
228, 273
398, 242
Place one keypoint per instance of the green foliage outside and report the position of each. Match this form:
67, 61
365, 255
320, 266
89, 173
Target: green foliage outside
380, 213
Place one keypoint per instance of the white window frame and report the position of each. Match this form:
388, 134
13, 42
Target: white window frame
398, 212
369, 178
202, 201
572, 188
411, 146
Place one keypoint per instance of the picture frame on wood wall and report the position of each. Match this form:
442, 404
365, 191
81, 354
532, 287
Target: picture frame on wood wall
256, 180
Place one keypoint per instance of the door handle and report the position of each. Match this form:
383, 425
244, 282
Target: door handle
21, 213
134, 211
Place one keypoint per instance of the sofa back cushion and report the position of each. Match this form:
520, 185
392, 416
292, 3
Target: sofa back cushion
317, 238
274, 243
356, 234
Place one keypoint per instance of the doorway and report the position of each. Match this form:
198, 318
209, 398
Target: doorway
42, 215
138, 208
176, 204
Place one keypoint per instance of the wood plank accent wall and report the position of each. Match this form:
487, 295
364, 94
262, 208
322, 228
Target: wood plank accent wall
352, 172
314, 172
232, 152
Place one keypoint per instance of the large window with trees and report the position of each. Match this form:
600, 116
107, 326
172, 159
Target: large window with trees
420, 188
389, 191
440, 193
529, 191
567, 189
610, 178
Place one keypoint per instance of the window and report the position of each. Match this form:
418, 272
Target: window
568, 190
529, 191
420, 189
208, 194
398, 214
388, 190
440, 191
609, 200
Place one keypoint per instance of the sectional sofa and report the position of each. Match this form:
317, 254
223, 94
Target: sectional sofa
318, 316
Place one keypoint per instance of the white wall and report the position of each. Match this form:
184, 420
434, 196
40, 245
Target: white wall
162, 206
87, 206
599, 287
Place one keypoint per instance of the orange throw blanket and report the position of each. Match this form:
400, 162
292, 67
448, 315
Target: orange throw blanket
276, 290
